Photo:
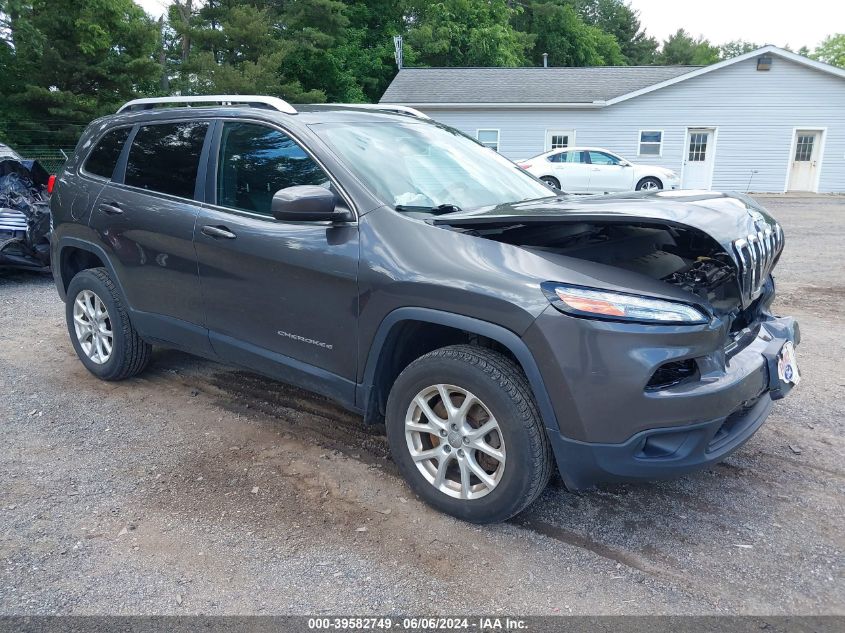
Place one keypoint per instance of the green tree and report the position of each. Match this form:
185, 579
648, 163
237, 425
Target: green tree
617, 18
65, 62
556, 28
831, 50
683, 49
465, 33
736, 48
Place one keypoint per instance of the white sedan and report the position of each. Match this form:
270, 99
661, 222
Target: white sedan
596, 170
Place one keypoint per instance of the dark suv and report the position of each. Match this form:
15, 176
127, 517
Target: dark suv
494, 325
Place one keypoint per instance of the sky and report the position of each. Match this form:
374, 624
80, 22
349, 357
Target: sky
779, 22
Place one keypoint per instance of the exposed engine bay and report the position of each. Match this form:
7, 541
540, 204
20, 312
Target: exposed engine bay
683, 257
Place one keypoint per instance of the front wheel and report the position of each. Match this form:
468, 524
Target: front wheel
649, 184
465, 432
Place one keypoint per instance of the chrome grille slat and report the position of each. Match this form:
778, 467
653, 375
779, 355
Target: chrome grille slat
756, 254
11, 220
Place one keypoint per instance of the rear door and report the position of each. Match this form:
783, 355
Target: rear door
607, 174
145, 220
572, 170
280, 297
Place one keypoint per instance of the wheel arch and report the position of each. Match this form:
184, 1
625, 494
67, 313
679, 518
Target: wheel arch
383, 362
74, 256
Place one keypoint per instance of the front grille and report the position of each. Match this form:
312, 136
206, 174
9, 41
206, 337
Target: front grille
11, 220
756, 255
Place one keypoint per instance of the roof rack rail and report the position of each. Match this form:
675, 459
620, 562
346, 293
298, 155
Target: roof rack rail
273, 103
396, 109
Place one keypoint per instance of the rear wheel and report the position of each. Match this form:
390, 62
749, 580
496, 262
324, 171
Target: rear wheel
649, 184
466, 435
551, 180
100, 330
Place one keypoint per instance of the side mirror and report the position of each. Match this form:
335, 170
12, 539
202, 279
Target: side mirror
306, 202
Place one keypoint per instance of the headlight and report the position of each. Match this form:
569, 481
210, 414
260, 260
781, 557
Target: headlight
618, 306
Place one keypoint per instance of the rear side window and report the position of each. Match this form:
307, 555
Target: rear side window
103, 157
256, 161
165, 157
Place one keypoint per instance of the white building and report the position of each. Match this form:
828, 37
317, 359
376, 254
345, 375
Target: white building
769, 120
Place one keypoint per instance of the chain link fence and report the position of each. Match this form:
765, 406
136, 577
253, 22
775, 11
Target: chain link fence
51, 159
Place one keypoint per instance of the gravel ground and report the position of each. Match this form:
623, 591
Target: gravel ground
198, 488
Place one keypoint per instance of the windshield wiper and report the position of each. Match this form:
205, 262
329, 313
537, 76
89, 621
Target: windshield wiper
440, 209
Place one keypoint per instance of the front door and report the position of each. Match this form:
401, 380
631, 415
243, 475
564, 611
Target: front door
280, 297
558, 139
698, 161
608, 174
805, 158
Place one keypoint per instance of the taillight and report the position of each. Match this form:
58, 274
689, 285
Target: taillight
524, 165
51, 182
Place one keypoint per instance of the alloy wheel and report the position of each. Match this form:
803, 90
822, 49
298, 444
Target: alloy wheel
92, 325
455, 441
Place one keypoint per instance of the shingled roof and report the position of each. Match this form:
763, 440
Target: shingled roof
524, 85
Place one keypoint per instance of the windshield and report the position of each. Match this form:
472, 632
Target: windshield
419, 165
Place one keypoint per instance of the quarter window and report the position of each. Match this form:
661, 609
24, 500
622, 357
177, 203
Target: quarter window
651, 143
103, 158
489, 138
256, 161
164, 157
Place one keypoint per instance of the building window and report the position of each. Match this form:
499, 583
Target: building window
804, 147
488, 138
651, 143
559, 140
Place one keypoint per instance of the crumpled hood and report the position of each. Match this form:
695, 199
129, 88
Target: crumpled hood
726, 217
746, 232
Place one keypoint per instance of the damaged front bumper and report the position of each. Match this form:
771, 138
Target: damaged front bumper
612, 428
24, 215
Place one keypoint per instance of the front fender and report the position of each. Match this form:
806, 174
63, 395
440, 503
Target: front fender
365, 391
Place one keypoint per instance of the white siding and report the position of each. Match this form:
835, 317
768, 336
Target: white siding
754, 112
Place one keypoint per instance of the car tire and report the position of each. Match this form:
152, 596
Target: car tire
100, 330
502, 399
551, 180
649, 183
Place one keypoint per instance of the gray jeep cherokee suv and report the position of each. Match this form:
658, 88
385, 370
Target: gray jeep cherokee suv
494, 325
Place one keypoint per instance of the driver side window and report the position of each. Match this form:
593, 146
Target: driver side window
256, 161
600, 158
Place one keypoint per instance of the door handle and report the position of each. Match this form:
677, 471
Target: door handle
218, 231
111, 208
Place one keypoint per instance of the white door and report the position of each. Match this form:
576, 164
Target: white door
571, 170
558, 139
698, 161
803, 172
608, 174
